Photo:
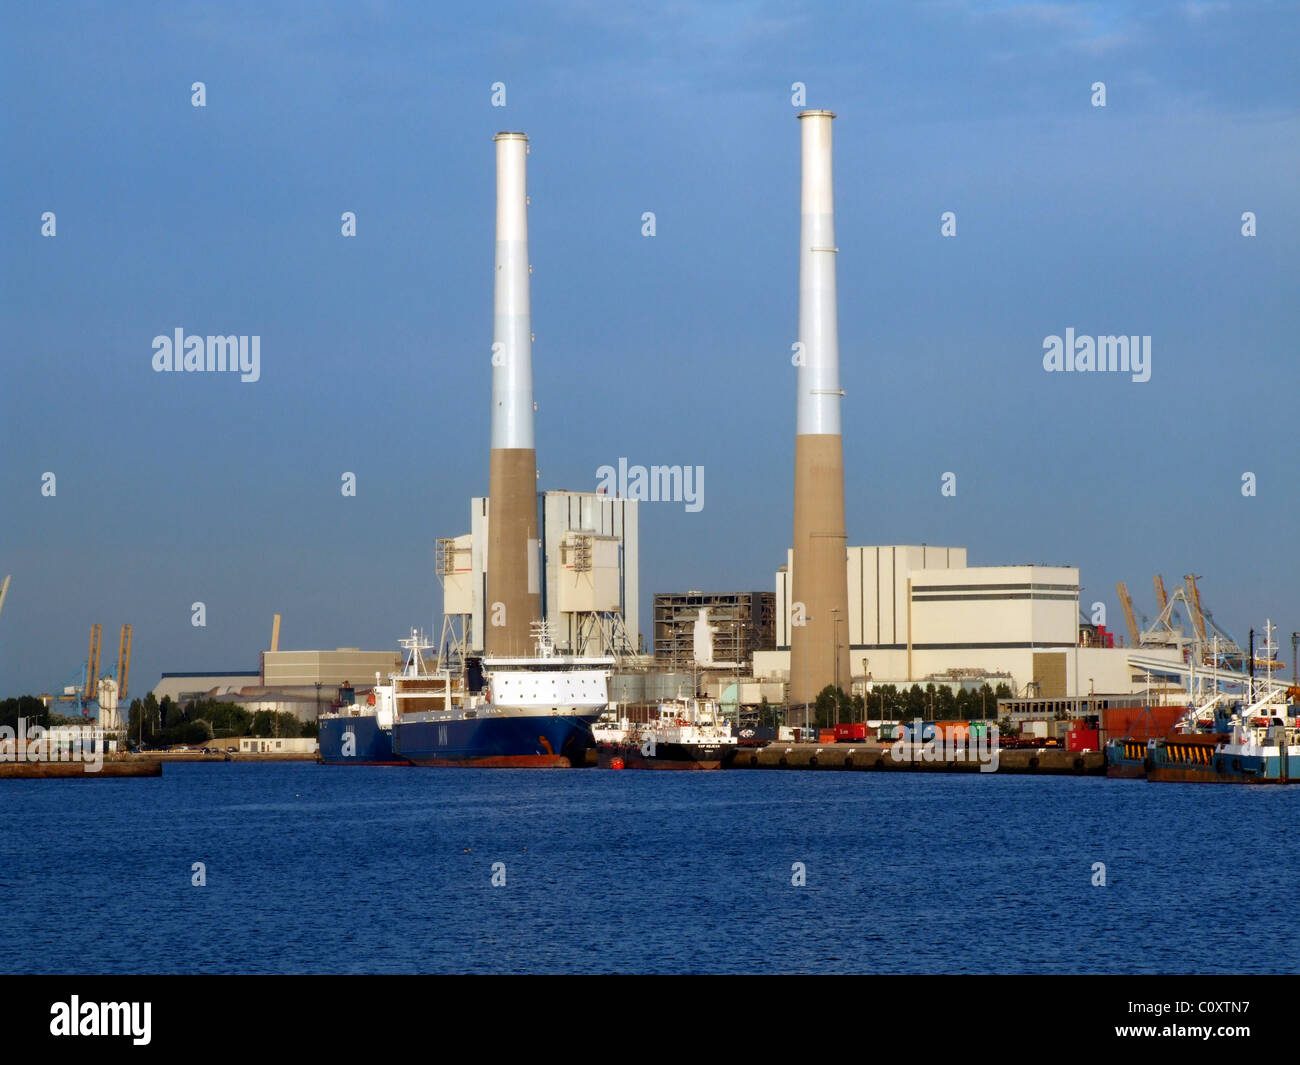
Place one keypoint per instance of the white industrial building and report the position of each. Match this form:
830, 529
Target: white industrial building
587, 565
917, 611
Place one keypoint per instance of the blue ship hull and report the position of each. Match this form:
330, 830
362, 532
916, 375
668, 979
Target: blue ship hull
1188, 761
370, 744
497, 741
1126, 758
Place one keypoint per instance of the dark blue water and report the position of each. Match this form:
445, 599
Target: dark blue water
356, 870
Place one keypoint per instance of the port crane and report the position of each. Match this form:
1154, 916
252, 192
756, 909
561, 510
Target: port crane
1162, 597
92, 669
1126, 603
83, 688
1211, 653
123, 662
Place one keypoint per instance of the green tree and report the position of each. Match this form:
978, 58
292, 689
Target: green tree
28, 707
227, 719
914, 703
833, 706
144, 720
945, 703
268, 723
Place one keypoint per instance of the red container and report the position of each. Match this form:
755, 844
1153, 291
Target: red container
850, 733
1133, 722
1082, 739
826, 735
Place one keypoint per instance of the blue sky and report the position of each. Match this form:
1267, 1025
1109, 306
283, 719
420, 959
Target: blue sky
175, 488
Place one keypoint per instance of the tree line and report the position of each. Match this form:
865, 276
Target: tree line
164, 724
888, 702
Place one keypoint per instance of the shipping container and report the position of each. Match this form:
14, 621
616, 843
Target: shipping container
1139, 722
1082, 739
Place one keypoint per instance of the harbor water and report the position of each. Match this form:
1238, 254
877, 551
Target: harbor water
319, 869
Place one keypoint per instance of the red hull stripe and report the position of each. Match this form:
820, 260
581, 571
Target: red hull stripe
513, 761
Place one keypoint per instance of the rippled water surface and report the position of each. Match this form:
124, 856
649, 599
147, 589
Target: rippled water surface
350, 869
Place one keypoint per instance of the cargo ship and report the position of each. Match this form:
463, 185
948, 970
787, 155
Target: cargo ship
685, 734
504, 712
1128, 754
353, 733
1126, 759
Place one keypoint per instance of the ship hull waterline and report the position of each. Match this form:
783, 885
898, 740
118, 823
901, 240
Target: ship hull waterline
534, 741
666, 756
370, 743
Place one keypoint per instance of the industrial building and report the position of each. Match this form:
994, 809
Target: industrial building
302, 669
736, 624
588, 574
916, 612
301, 683
185, 687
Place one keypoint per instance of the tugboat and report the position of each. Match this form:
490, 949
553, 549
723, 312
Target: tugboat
686, 734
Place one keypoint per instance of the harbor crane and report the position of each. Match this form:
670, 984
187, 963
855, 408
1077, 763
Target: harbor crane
1162, 597
123, 662
92, 663
1194, 605
1127, 604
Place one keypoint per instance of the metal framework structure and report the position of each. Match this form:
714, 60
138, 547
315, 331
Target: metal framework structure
608, 628
745, 622
92, 663
454, 641
124, 662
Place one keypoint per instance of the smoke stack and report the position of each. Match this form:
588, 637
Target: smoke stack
819, 648
513, 602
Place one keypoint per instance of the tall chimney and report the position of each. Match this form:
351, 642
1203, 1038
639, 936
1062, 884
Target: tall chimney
513, 602
819, 648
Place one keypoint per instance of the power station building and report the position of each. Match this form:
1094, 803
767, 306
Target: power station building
735, 625
587, 574
917, 611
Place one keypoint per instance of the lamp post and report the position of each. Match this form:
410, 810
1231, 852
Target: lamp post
806, 619
835, 653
